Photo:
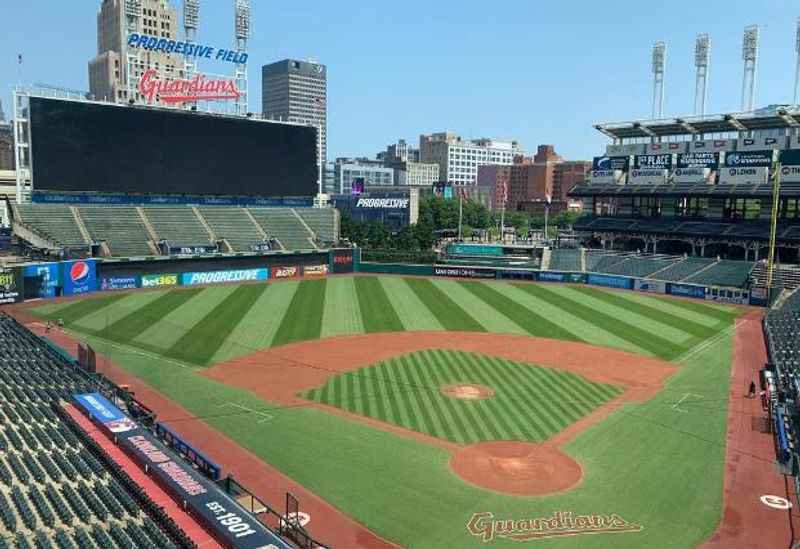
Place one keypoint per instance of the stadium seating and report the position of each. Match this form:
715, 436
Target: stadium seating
234, 225
641, 267
322, 222
683, 269
120, 227
58, 488
784, 275
600, 262
178, 225
283, 224
565, 260
55, 222
724, 273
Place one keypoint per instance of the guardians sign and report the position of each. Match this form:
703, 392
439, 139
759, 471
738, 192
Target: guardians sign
561, 523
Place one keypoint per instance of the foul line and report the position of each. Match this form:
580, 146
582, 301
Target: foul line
681, 401
264, 416
134, 350
702, 346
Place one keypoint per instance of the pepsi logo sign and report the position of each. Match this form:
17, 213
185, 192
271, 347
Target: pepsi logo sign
79, 272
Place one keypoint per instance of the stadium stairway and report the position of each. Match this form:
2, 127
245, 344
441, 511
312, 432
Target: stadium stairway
311, 236
233, 225
547, 254
54, 222
120, 227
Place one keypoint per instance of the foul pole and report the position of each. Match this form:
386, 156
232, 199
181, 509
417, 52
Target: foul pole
773, 232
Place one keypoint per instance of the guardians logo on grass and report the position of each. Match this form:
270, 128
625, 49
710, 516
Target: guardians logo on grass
560, 524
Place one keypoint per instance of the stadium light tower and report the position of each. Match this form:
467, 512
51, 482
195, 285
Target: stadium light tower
702, 61
750, 58
191, 20
242, 33
797, 68
659, 62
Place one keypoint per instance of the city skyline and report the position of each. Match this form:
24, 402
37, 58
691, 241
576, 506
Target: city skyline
506, 75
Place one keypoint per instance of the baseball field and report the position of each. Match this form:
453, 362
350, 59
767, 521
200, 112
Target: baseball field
446, 413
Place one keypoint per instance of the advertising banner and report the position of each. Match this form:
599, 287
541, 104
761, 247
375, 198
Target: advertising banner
224, 518
315, 270
790, 166
192, 250
611, 163
551, 276
759, 297
725, 295
43, 278
159, 280
119, 283
475, 249
220, 277
462, 272
342, 261
708, 160
652, 286
749, 159
647, 176
79, 277
686, 290
757, 175
285, 272
383, 203
652, 161
610, 281
12, 285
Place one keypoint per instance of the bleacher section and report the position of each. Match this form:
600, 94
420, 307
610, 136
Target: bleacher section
52, 221
683, 269
283, 224
724, 273
600, 262
57, 489
120, 226
565, 260
641, 267
178, 225
783, 276
321, 221
232, 224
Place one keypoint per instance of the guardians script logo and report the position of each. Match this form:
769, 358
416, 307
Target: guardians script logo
177, 91
559, 524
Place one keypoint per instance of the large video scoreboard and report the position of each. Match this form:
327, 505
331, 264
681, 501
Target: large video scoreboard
94, 147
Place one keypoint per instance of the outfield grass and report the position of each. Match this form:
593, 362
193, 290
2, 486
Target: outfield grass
203, 326
529, 403
647, 462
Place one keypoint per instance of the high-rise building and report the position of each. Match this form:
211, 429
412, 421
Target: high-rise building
296, 91
6, 143
534, 183
372, 172
459, 160
408, 170
111, 76
495, 179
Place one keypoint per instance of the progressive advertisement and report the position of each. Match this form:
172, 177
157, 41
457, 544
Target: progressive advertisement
79, 277
220, 277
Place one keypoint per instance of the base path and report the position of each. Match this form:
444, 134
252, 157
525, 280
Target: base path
750, 470
511, 467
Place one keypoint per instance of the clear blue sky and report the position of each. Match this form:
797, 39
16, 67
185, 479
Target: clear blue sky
540, 72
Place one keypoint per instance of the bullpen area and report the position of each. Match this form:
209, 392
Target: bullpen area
449, 413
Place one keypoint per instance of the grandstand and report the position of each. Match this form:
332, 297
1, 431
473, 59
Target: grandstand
132, 231
713, 197
58, 488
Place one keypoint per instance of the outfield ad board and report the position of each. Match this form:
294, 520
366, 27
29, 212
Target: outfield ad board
42, 280
221, 277
285, 272
463, 272
620, 282
552, 276
650, 286
119, 283
12, 285
342, 261
686, 290
225, 519
314, 271
475, 250
159, 280
728, 295
79, 277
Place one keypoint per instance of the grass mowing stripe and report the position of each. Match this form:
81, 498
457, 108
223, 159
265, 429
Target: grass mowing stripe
423, 370
98, 321
466, 407
341, 315
553, 414
414, 395
404, 400
531, 322
449, 313
303, 319
492, 319
387, 394
80, 309
413, 314
586, 399
683, 323
509, 414
457, 431
715, 312
426, 395
495, 417
202, 341
464, 431
129, 327
641, 338
564, 401
377, 312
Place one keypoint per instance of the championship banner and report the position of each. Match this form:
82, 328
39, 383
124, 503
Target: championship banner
652, 161
611, 163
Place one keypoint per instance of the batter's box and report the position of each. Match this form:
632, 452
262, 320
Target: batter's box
685, 402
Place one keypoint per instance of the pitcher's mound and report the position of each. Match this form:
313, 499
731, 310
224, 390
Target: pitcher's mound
467, 391
518, 468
